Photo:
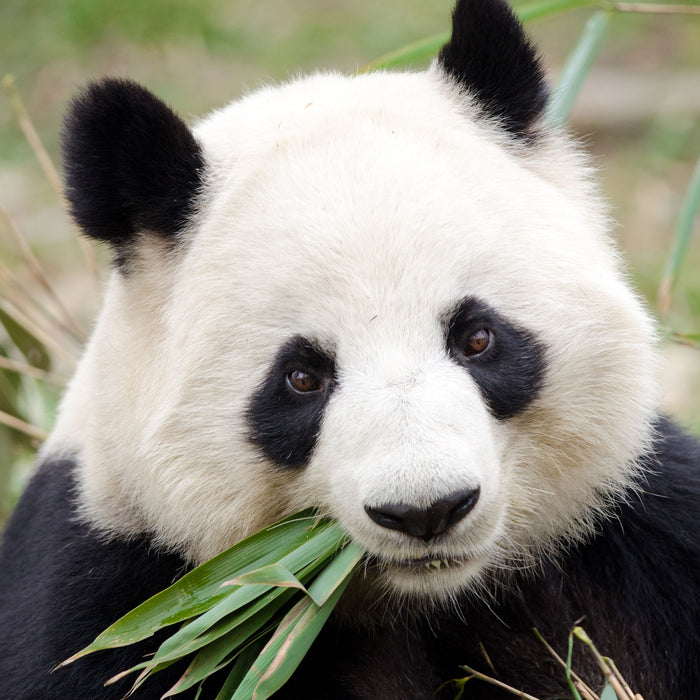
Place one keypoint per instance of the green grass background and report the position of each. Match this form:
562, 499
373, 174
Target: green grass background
638, 115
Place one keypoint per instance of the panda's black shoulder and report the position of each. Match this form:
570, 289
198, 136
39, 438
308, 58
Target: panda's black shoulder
646, 564
634, 587
653, 535
61, 583
668, 497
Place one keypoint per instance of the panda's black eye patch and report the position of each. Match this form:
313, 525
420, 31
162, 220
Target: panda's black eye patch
506, 361
285, 413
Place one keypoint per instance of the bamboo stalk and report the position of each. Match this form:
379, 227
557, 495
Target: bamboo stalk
580, 684
487, 679
683, 233
576, 68
619, 677
655, 8
22, 426
612, 675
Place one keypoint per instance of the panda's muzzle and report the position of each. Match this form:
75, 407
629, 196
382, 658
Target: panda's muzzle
425, 523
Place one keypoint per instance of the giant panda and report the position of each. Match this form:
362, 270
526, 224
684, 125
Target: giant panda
392, 297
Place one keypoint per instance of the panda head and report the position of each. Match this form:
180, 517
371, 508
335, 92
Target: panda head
388, 296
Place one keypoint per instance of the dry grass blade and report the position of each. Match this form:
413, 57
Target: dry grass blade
23, 298
46, 338
612, 675
30, 133
22, 368
487, 658
492, 681
690, 340
23, 427
618, 675
38, 273
584, 689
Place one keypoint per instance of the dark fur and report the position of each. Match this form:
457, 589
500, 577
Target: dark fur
510, 372
61, 584
490, 56
637, 585
283, 424
131, 164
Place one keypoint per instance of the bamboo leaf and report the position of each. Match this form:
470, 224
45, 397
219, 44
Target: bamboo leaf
608, 693
297, 631
147, 669
10, 387
287, 647
217, 653
186, 639
199, 590
576, 69
315, 550
218, 644
240, 668
191, 637
271, 575
338, 571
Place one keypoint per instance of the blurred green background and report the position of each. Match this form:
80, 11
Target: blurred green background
638, 114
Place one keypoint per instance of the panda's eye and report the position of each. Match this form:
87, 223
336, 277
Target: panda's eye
477, 343
301, 382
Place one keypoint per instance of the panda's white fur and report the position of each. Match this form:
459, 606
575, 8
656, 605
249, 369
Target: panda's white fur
317, 221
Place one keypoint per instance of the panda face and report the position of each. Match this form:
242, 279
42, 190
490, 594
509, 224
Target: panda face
415, 332
387, 307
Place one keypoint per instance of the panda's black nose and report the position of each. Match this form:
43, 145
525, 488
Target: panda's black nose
425, 523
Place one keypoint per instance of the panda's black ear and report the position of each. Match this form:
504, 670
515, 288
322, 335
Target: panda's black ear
490, 56
131, 164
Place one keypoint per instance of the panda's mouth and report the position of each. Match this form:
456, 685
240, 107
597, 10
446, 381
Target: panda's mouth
428, 565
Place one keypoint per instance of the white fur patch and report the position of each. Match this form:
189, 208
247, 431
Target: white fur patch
357, 212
